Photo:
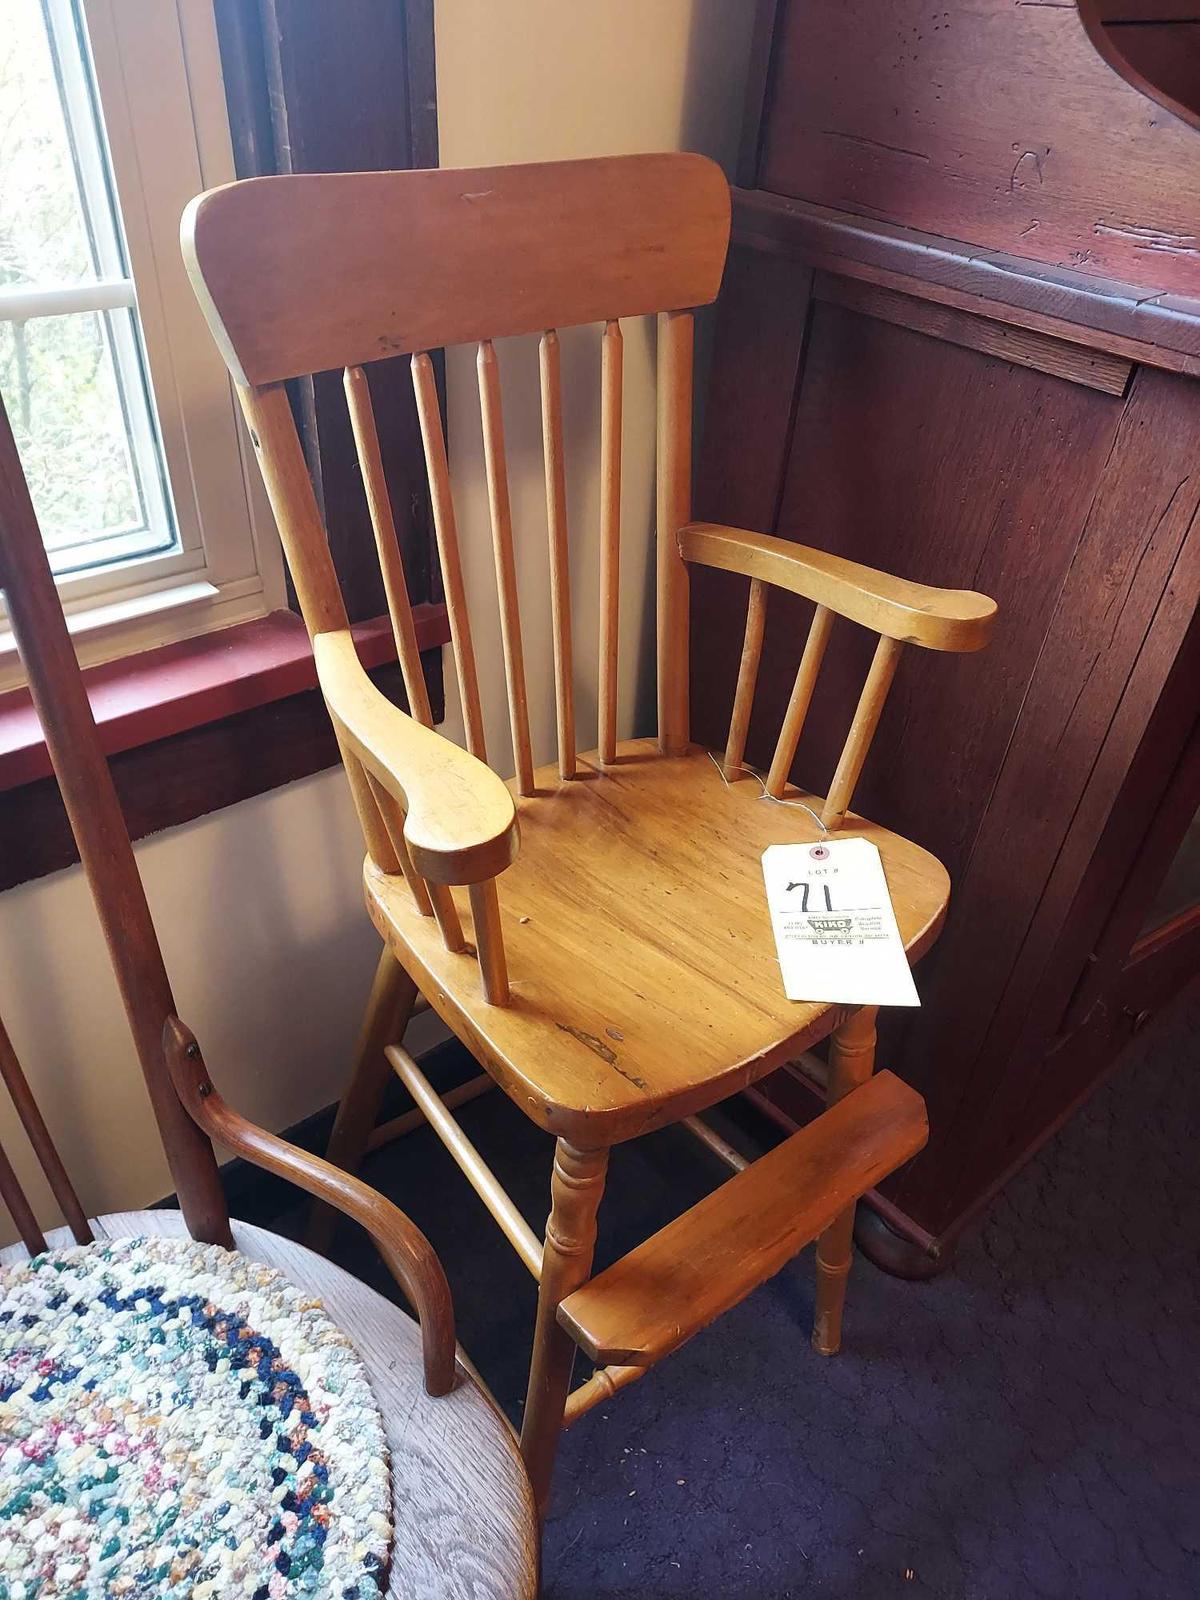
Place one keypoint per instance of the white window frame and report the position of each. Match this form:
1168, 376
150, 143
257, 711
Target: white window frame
158, 78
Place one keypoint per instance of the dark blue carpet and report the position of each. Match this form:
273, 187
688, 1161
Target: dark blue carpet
1028, 1424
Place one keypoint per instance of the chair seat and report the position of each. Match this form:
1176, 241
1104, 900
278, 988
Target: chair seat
645, 984
461, 1504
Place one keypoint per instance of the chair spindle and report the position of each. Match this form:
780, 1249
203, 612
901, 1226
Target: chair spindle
391, 565
393, 821
611, 362
435, 896
747, 678
40, 1141
550, 363
506, 570
862, 731
489, 941
276, 443
801, 698
438, 469
19, 1208
675, 341
446, 915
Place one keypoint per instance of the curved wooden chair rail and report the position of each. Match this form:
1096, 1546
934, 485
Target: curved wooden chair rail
899, 611
911, 613
409, 1256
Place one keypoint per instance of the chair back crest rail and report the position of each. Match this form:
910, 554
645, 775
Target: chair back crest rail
300, 274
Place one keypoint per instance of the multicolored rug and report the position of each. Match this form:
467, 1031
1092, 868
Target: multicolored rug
176, 1420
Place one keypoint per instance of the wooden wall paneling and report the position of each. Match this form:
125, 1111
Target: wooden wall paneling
758, 352
1143, 11
1158, 807
980, 123
244, 71
758, 89
1153, 969
936, 461
1062, 773
944, 502
421, 79
1004, 234
1105, 313
941, 503
757, 359
1062, 358
1117, 716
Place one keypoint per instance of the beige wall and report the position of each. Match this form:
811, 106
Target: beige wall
532, 80
269, 956
258, 906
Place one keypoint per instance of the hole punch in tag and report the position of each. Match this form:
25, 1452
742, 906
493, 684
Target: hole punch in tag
835, 929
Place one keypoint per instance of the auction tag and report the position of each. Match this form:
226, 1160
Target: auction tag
834, 926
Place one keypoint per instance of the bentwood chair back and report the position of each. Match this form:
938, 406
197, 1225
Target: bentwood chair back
463, 1511
618, 973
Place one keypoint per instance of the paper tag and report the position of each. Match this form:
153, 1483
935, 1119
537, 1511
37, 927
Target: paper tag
834, 926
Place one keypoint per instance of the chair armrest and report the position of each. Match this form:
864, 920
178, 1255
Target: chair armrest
938, 619
408, 1254
461, 822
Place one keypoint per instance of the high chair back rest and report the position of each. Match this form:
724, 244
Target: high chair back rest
300, 274
107, 855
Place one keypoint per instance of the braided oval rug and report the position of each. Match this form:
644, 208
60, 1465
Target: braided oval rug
176, 1420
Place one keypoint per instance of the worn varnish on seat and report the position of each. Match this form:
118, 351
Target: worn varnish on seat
644, 981
596, 931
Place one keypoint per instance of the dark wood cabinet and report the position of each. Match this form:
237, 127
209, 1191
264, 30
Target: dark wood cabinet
959, 339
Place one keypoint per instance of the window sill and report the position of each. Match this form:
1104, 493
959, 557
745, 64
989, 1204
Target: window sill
190, 727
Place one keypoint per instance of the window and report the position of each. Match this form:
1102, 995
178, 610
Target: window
111, 117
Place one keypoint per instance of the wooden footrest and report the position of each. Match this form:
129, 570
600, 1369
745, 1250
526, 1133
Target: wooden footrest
683, 1277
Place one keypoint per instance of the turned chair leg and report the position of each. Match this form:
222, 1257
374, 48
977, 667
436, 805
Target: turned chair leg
851, 1062
576, 1187
393, 994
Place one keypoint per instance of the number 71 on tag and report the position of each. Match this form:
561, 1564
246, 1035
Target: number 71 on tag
834, 926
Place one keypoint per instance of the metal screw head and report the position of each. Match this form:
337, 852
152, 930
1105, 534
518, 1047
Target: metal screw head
192, 1051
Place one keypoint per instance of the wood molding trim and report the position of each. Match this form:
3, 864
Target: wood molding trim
1156, 330
1077, 363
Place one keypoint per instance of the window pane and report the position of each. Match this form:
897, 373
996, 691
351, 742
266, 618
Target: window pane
44, 237
72, 376
59, 379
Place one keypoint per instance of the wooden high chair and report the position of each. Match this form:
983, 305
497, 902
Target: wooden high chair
463, 1513
619, 973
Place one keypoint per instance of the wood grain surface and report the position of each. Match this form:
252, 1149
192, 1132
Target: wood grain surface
982, 122
643, 978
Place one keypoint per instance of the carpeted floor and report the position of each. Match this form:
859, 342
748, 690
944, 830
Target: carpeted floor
1028, 1424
